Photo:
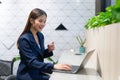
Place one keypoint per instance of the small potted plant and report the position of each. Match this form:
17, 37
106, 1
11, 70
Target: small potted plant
82, 43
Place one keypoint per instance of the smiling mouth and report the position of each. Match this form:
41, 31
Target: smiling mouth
40, 28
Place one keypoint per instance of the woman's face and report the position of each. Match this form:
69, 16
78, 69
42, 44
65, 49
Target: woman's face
39, 23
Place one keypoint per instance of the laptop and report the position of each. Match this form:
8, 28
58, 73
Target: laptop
75, 68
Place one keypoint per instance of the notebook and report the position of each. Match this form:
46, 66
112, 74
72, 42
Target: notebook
75, 68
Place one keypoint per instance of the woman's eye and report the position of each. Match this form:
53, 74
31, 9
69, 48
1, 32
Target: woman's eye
44, 21
40, 20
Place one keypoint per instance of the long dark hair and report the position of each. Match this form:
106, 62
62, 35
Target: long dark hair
34, 14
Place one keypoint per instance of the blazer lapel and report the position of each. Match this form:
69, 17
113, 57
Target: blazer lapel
41, 40
34, 44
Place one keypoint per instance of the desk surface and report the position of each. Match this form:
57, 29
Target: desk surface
73, 59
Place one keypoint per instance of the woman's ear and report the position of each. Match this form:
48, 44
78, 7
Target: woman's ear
31, 20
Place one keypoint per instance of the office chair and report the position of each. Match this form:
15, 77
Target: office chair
6, 69
11, 77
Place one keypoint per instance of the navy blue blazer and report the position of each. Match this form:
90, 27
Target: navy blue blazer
32, 66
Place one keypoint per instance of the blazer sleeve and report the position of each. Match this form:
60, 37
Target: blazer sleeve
47, 54
30, 59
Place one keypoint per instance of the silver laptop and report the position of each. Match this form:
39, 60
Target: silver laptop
75, 68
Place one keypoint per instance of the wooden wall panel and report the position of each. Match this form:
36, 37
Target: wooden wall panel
106, 41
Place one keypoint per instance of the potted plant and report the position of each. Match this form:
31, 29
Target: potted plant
82, 43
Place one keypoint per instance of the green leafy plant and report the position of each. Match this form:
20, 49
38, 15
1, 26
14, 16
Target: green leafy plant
80, 40
111, 15
49, 59
116, 12
104, 18
16, 58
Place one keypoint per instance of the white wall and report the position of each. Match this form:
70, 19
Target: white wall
73, 14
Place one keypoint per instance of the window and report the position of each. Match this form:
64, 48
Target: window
101, 5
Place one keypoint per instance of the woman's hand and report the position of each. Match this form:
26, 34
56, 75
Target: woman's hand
51, 47
65, 67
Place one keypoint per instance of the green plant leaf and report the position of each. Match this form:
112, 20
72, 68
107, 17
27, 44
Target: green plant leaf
112, 15
50, 59
80, 40
16, 58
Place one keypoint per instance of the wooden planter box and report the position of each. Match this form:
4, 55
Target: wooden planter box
106, 41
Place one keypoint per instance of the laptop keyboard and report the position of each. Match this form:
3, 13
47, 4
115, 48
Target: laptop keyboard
74, 70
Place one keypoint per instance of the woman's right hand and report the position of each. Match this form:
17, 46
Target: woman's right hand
65, 67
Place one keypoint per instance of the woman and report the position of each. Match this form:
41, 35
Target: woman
32, 50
